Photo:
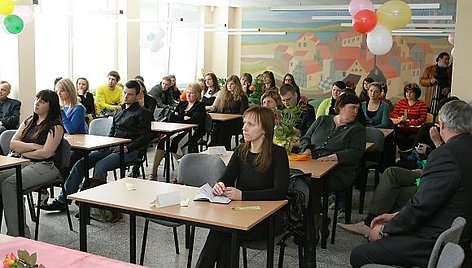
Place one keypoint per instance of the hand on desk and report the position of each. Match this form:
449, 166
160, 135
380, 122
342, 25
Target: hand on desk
331, 157
230, 192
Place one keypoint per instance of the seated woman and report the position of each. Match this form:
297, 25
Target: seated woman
38, 140
337, 138
268, 80
290, 80
73, 113
383, 97
191, 111
376, 112
408, 115
271, 99
232, 100
364, 95
246, 82
211, 91
86, 98
258, 170
326, 107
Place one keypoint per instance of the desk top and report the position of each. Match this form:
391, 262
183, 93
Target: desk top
224, 117
55, 256
93, 142
116, 195
167, 127
317, 168
7, 161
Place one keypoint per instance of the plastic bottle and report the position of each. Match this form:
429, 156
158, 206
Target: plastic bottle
405, 115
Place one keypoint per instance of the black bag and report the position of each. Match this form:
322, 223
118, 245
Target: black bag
103, 215
163, 114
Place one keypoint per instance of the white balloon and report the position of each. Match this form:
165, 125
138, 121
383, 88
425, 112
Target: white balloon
156, 45
25, 13
379, 41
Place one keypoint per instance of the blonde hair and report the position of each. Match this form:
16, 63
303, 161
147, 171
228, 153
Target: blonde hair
197, 89
226, 95
67, 85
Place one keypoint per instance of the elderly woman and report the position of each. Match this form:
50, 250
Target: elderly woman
232, 100
191, 111
375, 111
408, 115
337, 138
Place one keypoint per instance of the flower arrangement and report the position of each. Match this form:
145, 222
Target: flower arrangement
24, 260
284, 132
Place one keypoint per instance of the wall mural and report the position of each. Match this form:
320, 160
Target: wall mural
319, 53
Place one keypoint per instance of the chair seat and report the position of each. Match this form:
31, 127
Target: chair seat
166, 223
260, 244
45, 185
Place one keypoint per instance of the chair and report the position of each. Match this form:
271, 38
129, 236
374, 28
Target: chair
348, 209
372, 159
203, 142
298, 200
194, 170
451, 256
101, 126
140, 160
451, 235
5, 139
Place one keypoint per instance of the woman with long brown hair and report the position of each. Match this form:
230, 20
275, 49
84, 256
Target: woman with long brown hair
258, 170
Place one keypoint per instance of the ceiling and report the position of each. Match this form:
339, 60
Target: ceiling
274, 3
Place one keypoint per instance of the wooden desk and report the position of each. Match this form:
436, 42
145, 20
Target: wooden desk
138, 203
169, 129
87, 143
55, 256
224, 117
7, 162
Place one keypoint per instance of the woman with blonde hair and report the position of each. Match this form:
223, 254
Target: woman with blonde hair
232, 100
191, 111
73, 113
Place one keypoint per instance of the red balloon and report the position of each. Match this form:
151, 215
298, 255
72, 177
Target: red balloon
364, 21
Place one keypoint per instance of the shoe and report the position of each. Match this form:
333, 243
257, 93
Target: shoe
358, 228
152, 177
54, 206
134, 172
341, 214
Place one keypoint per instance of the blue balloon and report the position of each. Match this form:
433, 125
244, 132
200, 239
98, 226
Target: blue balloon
150, 36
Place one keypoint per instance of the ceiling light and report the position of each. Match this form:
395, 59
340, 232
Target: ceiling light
255, 33
345, 7
420, 34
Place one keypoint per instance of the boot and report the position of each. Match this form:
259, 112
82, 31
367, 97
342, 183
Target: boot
158, 156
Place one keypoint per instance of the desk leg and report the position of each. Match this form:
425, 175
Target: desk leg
132, 238
167, 155
86, 180
309, 253
84, 213
19, 200
270, 243
122, 161
234, 249
324, 229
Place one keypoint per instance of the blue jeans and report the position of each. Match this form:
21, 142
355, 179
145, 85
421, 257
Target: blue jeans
103, 161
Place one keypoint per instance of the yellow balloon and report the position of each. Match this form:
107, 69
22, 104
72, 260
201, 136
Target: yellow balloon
394, 14
6, 7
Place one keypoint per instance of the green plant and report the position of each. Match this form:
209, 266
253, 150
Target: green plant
255, 97
284, 132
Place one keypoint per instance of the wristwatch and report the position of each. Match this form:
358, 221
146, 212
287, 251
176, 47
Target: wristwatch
381, 232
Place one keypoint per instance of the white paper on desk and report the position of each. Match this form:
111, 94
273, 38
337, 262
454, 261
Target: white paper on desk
167, 199
205, 193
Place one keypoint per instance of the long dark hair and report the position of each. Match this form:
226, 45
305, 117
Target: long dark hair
272, 78
52, 118
265, 117
216, 85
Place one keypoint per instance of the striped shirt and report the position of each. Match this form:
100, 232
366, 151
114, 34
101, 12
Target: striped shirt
415, 113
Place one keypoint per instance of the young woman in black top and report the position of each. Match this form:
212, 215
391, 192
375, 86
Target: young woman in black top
86, 98
258, 170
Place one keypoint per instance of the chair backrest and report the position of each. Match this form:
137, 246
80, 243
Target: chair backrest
298, 196
65, 152
451, 256
198, 169
208, 123
101, 126
375, 136
5, 139
453, 234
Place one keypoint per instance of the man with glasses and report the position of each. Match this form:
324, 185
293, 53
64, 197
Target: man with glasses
289, 97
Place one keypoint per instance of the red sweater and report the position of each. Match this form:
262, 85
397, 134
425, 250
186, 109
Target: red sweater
416, 113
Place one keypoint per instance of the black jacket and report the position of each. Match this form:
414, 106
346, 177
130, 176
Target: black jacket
10, 113
133, 123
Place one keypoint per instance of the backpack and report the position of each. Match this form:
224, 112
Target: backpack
103, 215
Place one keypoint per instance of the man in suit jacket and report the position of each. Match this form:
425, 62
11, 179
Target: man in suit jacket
9, 108
407, 237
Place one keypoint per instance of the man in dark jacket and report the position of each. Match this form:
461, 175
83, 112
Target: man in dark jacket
131, 121
9, 108
407, 237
